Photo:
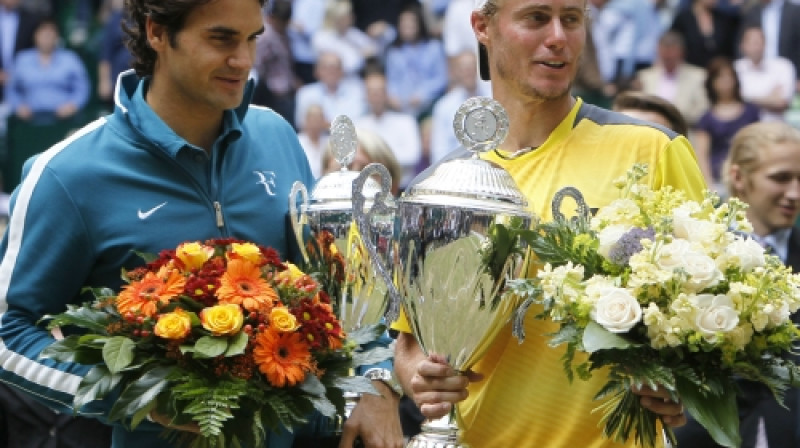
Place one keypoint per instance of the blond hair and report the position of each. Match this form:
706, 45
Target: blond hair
377, 150
749, 143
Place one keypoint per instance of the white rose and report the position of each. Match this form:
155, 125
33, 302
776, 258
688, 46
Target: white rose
715, 315
682, 220
608, 237
617, 310
702, 270
746, 254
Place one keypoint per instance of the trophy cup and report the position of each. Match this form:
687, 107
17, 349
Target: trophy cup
359, 296
447, 264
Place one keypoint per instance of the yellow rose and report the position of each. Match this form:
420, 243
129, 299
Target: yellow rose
174, 325
193, 255
282, 319
222, 320
291, 274
248, 251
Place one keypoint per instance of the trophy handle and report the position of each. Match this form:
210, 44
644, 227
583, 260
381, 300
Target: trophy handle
364, 223
298, 218
583, 211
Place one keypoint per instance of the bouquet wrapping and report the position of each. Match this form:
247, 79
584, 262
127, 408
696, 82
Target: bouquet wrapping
661, 291
222, 335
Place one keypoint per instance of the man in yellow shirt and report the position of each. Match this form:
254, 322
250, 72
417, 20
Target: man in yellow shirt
519, 395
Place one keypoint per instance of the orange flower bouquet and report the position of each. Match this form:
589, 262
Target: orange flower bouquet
222, 334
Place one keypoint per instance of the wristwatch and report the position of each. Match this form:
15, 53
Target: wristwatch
386, 376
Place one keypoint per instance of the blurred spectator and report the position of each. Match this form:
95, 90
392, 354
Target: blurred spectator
336, 94
675, 80
371, 149
416, 67
763, 170
114, 56
17, 26
636, 38
47, 82
398, 129
728, 113
457, 34
707, 31
650, 108
780, 20
338, 34
767, 82
313, 137
594, 82
276, 79
379, 19
465, 86
307, 17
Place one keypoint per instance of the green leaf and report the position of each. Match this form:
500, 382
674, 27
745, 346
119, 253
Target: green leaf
355, 384
97, 383
717, 414
80, 316
62, 351
595, 338
312, 385
237, 344
118, 353
366, 334
210, 347
140, 393
372, 356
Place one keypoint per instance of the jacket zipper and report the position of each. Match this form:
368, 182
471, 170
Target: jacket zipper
218, 211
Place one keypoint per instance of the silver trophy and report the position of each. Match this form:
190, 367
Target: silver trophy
448, 267
323, 226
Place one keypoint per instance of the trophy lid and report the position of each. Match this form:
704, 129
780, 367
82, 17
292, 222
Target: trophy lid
481, 124
334, 190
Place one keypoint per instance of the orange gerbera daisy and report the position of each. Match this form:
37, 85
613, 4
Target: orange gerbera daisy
283, 357
144, 296
242, 284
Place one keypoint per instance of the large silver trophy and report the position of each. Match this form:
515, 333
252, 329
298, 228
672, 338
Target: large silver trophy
448, 262
324, 219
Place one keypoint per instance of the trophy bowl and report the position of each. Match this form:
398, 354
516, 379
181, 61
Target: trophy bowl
323, 226
451, 251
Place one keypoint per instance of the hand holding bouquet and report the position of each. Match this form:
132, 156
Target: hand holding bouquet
665, 292
221, 334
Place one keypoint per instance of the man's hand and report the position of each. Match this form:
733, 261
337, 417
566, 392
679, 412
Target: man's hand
436, 386
659, 402
375, 419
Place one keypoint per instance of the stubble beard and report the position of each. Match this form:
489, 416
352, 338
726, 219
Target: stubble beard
530, 91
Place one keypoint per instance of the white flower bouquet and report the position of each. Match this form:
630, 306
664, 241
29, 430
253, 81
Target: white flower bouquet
665, 292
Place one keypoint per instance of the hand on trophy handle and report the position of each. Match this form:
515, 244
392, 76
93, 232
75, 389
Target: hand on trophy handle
432, 383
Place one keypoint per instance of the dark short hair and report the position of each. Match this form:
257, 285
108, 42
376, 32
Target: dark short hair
651, 103
171, 14
714, 68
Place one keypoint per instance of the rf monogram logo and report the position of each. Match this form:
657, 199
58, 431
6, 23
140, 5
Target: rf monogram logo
267, 179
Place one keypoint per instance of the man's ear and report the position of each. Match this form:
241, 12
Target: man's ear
479, 26
156, 34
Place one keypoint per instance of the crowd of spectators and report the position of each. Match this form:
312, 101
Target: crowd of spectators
401, 68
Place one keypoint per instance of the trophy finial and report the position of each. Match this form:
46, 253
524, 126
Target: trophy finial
481, 124
343, 140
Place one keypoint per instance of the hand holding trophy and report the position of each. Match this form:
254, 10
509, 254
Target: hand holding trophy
451, 251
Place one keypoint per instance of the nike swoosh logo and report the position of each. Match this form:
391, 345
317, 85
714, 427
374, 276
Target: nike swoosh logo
144, 215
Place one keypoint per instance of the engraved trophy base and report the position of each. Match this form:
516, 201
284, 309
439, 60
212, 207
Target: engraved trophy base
439, 433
